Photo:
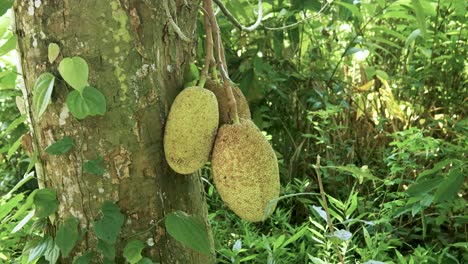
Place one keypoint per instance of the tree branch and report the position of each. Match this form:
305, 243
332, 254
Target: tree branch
236, 22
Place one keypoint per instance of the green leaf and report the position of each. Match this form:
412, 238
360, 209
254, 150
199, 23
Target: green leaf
5, 5
40, 249
90, 102
14, 147
359, 173
132, 251
42, 93
94, 166
52, 254
420, 16
423, 187
191, 73
107, 249
85, 258
6, 208
45, 201
382, 74
189, 231
23, 221
8, 46
343, 235
145, 261
75, 72
53, 52
60, 147
18, 121
67, 235
449, 187
412, 37
108, 228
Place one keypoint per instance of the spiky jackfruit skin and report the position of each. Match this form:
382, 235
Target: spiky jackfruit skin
245, 170
191, 129
243, 110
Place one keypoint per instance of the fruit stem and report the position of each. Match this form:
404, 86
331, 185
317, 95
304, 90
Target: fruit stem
209, 58
221, 61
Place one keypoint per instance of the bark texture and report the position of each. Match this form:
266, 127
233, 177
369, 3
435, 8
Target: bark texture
136, 60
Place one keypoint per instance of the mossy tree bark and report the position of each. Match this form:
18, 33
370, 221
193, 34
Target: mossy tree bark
136, 60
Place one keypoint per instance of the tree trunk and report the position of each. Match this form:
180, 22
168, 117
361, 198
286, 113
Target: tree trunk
136, 60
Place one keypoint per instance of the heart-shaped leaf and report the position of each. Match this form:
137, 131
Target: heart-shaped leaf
67, 235
189, 231
90, 102
45, 201
60, 147
53, 52
132, 251
108, 227
75, 72
42, 92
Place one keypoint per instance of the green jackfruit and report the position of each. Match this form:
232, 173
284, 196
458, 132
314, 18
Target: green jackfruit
243, 109
245, 170
191, 129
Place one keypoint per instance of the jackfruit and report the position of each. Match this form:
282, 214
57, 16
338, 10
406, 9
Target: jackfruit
245, 170
243, 110
191, 129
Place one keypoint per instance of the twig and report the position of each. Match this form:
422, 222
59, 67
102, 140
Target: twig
173, 23
236, 22
325, 205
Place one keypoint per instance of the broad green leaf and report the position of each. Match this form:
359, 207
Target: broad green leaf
94, 166
75, 72
189, 231
23, 221
26, 206
8, 80
360, 173
60, 147
352, 8
52, 254
437, 167
319, 210
107, 249
6, 208
450, 186
42, 93
343, 235
45, 244
191, 73
90, 102
145, 261
5, 5
420, 16
67, 235
45, 201
14, 147
132, 251
423, 187
412, 37
53, 52
382, 74
296, 236
85, 258
352, 50
18, 121
8, 46
108, 228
